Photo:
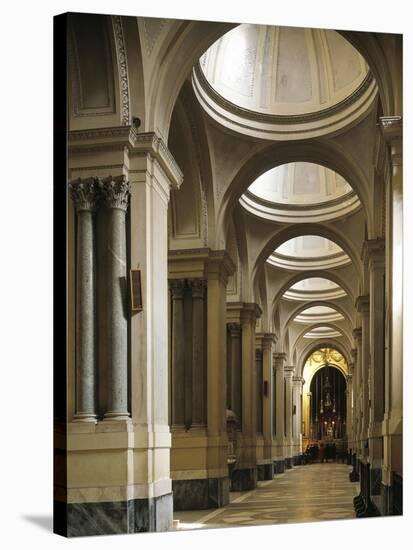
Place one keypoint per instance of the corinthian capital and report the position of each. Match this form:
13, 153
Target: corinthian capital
115, 191
84, 193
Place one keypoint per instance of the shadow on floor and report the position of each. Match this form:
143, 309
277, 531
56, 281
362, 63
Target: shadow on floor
44, 522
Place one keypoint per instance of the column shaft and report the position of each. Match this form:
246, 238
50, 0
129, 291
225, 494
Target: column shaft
198, 353
116, 193
84, 194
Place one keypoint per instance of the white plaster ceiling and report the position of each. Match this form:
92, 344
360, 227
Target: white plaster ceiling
300, 183
283, 70
322, 332
314, 288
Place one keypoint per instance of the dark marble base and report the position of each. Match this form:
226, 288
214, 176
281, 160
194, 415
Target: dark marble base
297, 460
265, 471
244, 480
289, 463
279, 466
200, 494
110, 518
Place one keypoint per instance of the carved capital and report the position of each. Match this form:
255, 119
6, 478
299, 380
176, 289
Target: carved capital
197, 287
177, 287
373, 252
84, 193
357, 334
234, 329
289, 371
115, 191
278, 359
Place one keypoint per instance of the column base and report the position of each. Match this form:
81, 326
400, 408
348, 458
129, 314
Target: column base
85, 417
279, 466
392, 496
296, 460
289, 463
200, 494
114, 416
244, 479
265, 471
110, 518
375, 481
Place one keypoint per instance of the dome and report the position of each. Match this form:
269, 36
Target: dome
283, 70
300, 192
308, 252
314, 288
300, 183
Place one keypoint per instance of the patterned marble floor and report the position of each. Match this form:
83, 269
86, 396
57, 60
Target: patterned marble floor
305, 493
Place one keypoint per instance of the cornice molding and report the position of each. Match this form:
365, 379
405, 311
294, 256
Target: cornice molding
134, 143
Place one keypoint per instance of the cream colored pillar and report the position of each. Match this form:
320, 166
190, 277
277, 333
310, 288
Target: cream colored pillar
244, 476
289, 445
218, 269
122, 482
391, 127
279, 450
266, 465
349, 412
363, 307
374, 250
357, 392
297, 382
267, 343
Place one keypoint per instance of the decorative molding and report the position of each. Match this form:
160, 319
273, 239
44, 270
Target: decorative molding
122, 69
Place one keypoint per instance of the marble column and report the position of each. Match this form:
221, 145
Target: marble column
279, 396
116, 193
288, 376
234, 378
198, 352
177, 287
84, 193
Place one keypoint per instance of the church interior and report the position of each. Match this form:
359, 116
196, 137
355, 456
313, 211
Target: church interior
234, 276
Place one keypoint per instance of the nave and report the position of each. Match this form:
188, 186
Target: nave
312, 492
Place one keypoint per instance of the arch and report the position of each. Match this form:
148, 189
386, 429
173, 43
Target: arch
368, 44
323, 274
327, 343
327, 303
183, 45
333, 326
327, 153
298, 230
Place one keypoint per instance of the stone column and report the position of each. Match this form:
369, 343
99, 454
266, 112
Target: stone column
391, 128
357, 393
363, 307
374, 250
280, 450
297, 388
288, 375
349, 412
267, 405
198, 353
84, 193
245, 475
218, 268
178, 353
234, 379
116, 192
